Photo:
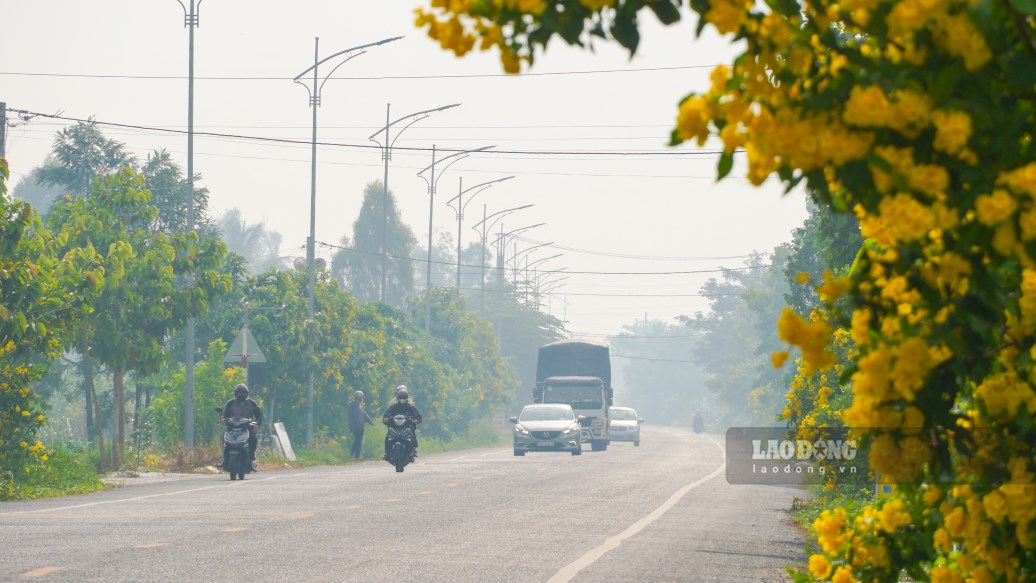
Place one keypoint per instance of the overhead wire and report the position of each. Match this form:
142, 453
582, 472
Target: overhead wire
622, 153
344, 78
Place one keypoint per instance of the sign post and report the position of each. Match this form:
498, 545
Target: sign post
245, 348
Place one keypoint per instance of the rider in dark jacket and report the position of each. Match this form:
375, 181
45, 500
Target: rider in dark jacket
242, 406
401, 405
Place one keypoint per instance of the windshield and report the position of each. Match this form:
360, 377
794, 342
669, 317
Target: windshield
579, 396
623, 414
547, 414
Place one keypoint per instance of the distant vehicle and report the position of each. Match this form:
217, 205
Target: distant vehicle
579, 374
624, 425
546, 428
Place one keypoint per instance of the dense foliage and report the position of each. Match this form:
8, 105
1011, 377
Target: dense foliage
108, 280
917, 117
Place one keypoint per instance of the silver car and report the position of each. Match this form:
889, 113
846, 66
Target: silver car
547, 427
624, 425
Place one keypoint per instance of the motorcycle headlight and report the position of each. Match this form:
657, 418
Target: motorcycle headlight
520, 430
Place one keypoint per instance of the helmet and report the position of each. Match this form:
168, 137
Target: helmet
358, 395
241, 389
401, 393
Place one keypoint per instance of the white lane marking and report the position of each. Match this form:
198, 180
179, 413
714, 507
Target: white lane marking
572, 569
136, 498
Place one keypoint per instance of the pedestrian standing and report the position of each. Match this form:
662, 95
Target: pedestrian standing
357, 418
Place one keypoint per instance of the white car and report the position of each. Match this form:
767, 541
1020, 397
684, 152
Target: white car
624, 425
544, 427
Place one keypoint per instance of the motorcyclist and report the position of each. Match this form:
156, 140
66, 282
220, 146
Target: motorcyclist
401, 405
242, 406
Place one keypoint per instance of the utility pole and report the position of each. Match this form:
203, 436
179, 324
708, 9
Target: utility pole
190, 22
3, 129
314, 103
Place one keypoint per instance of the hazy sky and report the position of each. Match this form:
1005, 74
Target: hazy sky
640, 209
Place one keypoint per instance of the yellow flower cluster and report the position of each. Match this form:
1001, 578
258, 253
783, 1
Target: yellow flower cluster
907, 112
952, 130
957, 35
1006, 393
728, 16
810, 336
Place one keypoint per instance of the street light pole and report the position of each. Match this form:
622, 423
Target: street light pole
485, 226
190, 22
314, 102
461, 205
431, 181
386, 150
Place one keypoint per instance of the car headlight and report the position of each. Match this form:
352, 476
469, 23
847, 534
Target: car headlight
574, 428
520, 430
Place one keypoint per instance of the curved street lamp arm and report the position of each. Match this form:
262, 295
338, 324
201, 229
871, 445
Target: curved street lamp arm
426, 168
528, 249
482, 186
513, 233
357, 48
426, 113
186, 13
517, 208
541, 260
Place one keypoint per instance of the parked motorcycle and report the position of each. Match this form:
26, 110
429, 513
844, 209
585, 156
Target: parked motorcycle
236, 457
400, 441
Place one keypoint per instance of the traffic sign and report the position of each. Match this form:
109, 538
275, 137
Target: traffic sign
244, 348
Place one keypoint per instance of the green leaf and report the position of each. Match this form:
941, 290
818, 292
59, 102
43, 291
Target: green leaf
1026, 7
726, 162
625, 31
666, 11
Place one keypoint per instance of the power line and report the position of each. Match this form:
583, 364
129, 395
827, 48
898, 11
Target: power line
622, 256
661, 153
375, 78
562, 271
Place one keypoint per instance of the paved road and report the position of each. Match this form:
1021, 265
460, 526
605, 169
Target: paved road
655, 513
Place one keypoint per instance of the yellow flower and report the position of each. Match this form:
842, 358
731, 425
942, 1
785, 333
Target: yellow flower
833, 287
843, 575
995, 505
893, 516
943, 574
778, 358
991, 209
952, 130
726, 15
692, 120
867, 107
819, 566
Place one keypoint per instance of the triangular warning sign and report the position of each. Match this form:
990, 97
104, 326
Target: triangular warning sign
244, 345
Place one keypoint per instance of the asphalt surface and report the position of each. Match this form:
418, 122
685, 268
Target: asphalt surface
656, 513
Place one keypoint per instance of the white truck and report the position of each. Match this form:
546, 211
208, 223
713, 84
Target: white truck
578, 373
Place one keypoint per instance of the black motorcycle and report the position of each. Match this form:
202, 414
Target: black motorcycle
400, 441
236, 457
